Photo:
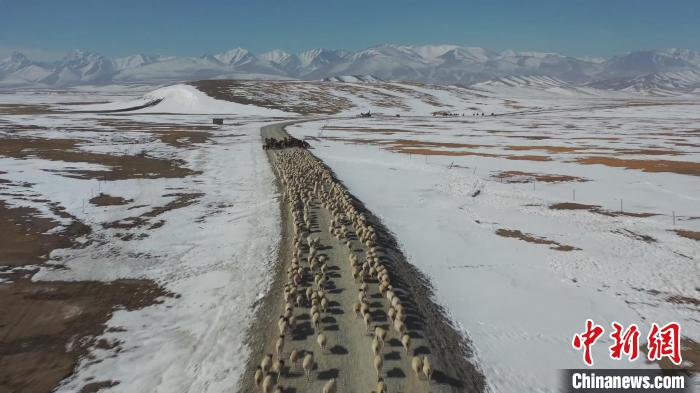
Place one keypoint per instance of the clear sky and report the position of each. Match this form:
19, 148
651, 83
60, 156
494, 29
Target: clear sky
179, 27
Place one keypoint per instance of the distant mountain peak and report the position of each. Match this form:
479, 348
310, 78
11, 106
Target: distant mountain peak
664, 69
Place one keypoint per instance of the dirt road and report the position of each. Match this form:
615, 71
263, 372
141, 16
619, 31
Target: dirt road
348, 356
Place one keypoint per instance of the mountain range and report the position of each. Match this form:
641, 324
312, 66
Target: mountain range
676, 70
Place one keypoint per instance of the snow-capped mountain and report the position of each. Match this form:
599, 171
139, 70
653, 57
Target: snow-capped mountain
660, 83
134, 61
287, 62
667, 70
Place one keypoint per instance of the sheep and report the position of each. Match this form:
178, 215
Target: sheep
392, 313
322, 341
266, 363
277, 368
406, 341
279, 345
316, 319
356, 308
381, 386
293, 358
427, 368
417, 365
330, 386
308, 364
377, 345
364, 308
378, 364
400, 326
380, 333
368, 320
282, 324
259, 375
267, 384
324, 304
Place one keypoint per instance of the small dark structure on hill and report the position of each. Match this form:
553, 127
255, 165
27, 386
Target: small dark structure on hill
272, 143
368, 114
218, 121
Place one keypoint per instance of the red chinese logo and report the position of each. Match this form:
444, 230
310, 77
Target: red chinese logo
665, 342
662, 342
586, 339
627, 343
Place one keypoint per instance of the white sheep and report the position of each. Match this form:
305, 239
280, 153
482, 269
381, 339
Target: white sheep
316, 319
330, 386
380, 333
259, 375
368, 321
266, 363
427, 368
378, 364
377, 345
279, 345
356, 308
406, 342
400, 326
417, 365
277, 368
267, 384
322, 341
308, 364
293, 359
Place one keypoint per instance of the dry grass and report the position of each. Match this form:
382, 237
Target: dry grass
528, 177
24, 109
145, 220
28, 237
516, 234
688, 234
596, 209
679, 167
67, 150
46, 327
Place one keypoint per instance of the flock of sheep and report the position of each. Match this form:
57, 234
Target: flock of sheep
307, 183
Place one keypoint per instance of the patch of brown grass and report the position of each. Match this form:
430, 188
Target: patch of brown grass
46, 327
688, 234
666, 166
25, 109
549, 149
28, 237
516, 234
121, 166
596, 209
145, 219
528, 177
529, 158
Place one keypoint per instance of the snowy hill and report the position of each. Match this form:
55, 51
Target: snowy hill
673, 70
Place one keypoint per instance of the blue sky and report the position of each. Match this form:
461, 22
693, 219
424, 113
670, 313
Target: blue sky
178, 27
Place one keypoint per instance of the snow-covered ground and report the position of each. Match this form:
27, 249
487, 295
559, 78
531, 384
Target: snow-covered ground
520, 303
214, 255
